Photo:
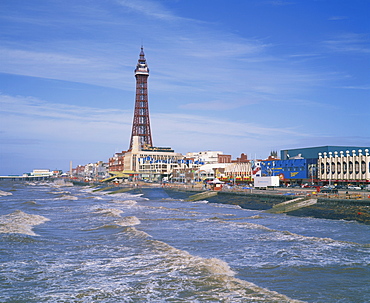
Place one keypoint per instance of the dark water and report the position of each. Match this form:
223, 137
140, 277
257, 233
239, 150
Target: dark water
69, 244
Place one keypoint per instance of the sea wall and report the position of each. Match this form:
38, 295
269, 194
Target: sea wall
326, 208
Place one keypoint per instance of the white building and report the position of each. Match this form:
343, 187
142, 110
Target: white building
153, 163
238, 171
41, 173
208, 157
344, 166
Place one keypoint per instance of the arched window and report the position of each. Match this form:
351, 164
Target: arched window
350, 167
322, 168
363, 167
344, 167
332, 167
357, 167
339, 168
327, 168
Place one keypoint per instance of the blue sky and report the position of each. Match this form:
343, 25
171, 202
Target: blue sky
242, 76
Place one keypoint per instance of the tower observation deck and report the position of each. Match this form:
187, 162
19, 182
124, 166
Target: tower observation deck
141, 121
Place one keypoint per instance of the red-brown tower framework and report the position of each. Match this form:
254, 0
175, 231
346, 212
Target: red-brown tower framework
141, 122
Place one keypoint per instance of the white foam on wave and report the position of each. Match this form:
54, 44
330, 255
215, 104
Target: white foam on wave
200, 202
60, 192
126, 202
135, 233
128, 221
5, 193
66, 197
62, 182
111, 212
205, 275
95, 197
225, 205
20, 222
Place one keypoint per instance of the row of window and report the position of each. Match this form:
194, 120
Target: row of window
339, 168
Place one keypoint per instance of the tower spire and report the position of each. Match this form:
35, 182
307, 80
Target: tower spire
141, 121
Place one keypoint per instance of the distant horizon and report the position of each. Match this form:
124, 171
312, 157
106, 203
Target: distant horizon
252, 77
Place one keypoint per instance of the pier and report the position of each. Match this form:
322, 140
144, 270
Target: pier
25, 178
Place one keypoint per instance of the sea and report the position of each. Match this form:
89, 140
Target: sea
62, 243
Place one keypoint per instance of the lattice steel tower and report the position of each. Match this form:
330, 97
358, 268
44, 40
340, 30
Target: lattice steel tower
141, 122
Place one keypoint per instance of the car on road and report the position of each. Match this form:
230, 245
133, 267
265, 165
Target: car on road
351, 187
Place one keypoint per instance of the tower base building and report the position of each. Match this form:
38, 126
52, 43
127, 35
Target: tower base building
151, 163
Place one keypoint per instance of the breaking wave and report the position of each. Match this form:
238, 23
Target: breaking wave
126, 202
128, 221
31, 202
135, 233
208, 278
60, 192
5, 193
20, 222
225, 205
66, 197
119, 223
110, 212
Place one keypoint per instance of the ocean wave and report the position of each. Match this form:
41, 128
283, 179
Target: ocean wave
20, 222
66, 197
31, 202
284, 235
135, 233
60, 192
126, 202
62, 182
105, 226
112, 212
211, 279
128, 221
5, 193
200, 202
225, 205
123, 222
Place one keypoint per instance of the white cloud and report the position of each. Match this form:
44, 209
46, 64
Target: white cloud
349, 42
150, 8
37, 121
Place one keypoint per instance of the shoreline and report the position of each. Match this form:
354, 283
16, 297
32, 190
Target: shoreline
326, 207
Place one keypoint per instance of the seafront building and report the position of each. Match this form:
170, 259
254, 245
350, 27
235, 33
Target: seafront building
91, 171
208, 157
150, 163
321, 165
344, 166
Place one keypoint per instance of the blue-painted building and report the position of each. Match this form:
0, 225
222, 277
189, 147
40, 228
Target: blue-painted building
313, 152
292, 170
299, 165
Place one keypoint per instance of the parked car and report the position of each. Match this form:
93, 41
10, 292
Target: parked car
351, 187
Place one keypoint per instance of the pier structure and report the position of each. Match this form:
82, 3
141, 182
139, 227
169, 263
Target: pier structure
25, 178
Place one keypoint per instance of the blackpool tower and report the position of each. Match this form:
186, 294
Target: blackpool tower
141, 122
